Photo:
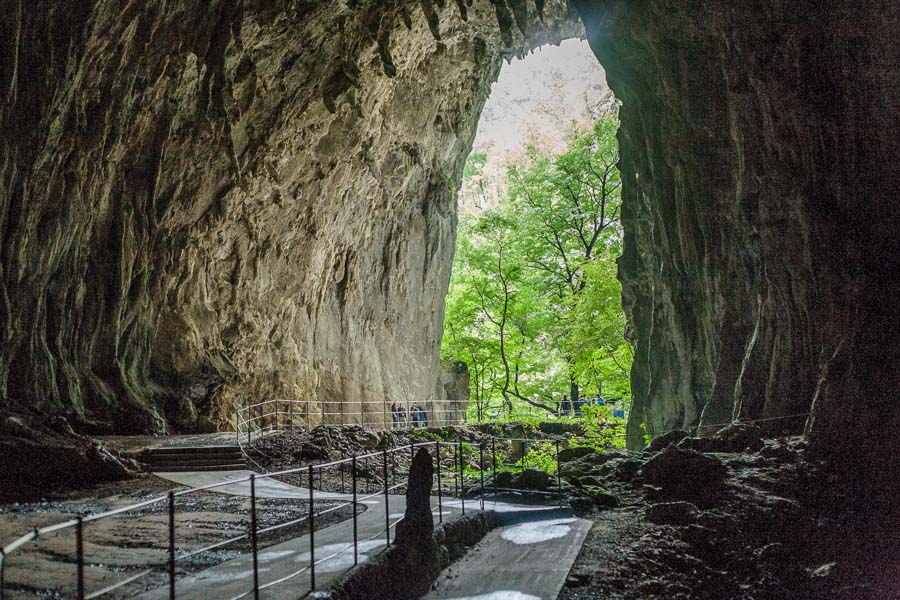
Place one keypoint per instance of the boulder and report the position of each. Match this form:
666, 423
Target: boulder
574, 453
368, 439
533, 479
504, 479
740, 437
672, 513
667, 439
602, 497
685, 475
737, 437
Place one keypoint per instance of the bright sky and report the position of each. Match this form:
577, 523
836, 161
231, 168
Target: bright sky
536, 101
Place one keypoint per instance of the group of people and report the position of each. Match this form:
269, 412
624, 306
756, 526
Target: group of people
417, 415
573, 407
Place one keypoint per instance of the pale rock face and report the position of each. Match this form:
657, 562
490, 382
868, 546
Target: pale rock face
210, 204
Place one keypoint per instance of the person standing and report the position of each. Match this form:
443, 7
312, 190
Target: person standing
565, 407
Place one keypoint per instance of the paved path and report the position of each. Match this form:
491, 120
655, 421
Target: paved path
528, 561
266, 487
283, 568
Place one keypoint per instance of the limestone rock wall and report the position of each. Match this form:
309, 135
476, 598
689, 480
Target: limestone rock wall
759, 151
210, 203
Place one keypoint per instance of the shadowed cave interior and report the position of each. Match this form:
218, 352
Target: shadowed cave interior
206, 205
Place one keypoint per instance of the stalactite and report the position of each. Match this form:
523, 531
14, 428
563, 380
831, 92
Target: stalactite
520, 12
461, 5
14, 80
384, 48
434, 22
504, 20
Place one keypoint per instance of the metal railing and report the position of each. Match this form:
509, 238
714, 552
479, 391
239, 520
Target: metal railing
460, 472
256, 420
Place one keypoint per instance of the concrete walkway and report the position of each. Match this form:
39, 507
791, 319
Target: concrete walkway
284, 568
527, 561
266, 487
542, 564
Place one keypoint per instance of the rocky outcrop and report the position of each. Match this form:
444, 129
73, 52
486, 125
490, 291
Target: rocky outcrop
758, 146
39, 456
204, 204
207, 203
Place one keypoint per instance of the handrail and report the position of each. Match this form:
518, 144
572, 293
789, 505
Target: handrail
79, 522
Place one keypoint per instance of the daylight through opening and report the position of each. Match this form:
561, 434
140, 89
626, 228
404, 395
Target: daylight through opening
534, 309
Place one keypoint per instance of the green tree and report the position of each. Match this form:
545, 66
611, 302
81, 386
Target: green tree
534, 304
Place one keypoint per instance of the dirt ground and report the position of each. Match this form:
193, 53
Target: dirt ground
46, 566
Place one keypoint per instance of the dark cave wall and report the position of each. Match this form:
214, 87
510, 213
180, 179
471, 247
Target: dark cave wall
210, 203
759, 159
203, 204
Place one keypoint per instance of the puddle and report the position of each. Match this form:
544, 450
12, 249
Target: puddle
342, 561
500, 595
226, 577
274, 554
537, 531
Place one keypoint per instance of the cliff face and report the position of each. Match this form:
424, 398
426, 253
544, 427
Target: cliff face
205, 203
759, 151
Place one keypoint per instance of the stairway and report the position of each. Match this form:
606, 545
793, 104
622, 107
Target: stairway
202, 458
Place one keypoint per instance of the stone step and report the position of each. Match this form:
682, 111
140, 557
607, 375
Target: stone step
195, 450
189, 468
189, 456
156, 464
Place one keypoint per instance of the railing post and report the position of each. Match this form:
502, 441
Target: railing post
462, 481
387, 510
79, 556
494, 458
454, 469
2, 574
481, 471
355, 534
343, 466
312, 533
291, 414
559, 474
366, 469
437, 447
171, 545
253, 545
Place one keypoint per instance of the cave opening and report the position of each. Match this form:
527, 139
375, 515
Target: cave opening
534, 310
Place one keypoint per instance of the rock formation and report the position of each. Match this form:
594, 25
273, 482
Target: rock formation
758, 147
417, 525
208, 203
204, 204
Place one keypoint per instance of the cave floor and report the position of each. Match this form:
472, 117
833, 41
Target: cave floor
118, 547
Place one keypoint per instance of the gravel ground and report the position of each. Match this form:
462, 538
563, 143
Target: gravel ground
121, 546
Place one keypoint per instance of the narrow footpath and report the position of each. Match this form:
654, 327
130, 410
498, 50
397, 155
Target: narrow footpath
524, 561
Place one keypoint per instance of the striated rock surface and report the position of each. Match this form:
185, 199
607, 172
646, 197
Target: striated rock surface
205, 204
759, 204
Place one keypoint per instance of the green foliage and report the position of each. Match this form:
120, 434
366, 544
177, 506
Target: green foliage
541, 455
534, 307
602, 431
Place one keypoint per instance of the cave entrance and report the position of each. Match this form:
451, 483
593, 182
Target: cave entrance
534, 307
